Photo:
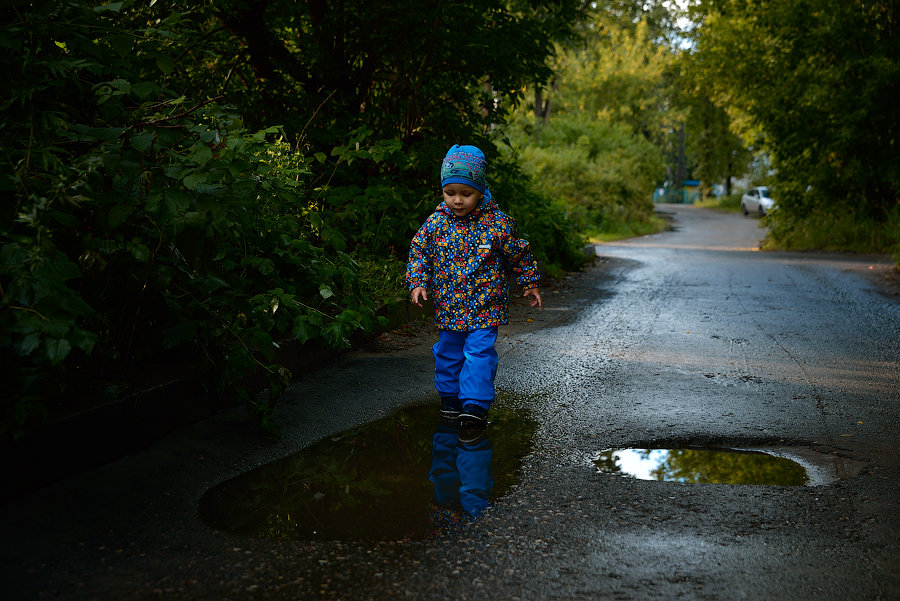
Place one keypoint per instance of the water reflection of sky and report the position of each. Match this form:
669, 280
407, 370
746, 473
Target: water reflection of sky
698, 465
639, 464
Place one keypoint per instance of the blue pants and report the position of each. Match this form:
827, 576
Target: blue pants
461, 474
465, 364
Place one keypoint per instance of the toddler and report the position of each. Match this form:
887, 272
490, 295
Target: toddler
463, 254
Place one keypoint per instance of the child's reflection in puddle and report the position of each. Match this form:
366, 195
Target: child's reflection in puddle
462, 478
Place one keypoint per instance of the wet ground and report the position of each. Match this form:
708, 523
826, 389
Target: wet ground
686, 339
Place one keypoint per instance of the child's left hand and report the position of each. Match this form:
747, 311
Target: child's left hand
536, 301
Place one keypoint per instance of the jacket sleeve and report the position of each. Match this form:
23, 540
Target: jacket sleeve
420, 264
519, 260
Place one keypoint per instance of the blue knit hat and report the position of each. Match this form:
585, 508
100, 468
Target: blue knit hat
464, 165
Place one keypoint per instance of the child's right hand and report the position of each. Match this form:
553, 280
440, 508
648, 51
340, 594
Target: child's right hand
418, 295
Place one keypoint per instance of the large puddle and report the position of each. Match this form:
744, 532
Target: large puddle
403, 477
703, 465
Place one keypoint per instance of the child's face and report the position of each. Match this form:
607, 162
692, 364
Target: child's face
461, 199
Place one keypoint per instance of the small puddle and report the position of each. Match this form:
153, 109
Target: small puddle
403, 477
703, 465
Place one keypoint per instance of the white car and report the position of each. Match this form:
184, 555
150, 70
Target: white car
757, 200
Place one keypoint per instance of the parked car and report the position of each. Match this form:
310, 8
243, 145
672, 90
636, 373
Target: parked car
757, 200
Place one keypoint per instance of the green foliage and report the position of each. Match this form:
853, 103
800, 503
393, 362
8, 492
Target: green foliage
717, 153
619, 74
603, 172
594, 142
824, 229
818, 82
152, 214
370, 195
731, 203
555, 241
383, 279
141, 226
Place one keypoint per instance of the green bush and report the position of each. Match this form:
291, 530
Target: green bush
600, 172
554, 240
143, 223
167, 242
834, 230
142, 226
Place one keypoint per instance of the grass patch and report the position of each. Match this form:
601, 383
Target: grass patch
383, 279
836, 232
622, 231
730, 203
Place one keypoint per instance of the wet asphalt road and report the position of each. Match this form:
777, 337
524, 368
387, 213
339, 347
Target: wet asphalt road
688, 337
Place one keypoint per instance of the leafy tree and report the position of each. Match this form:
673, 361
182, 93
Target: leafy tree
144, 226
718, 154
603, 173
819, 80
397, 72
599, 153
199, 184
657, 16
618, 75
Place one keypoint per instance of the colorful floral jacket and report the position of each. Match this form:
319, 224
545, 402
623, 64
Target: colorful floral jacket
464, 263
